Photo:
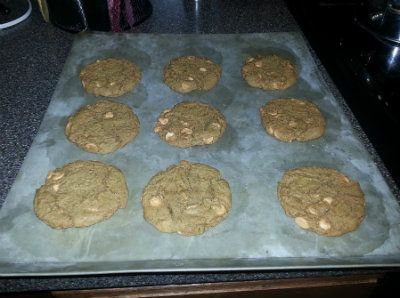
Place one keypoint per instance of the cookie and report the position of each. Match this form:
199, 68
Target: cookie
110, 77
187, 198
190, 124
80, 194
102, 127
292, 119
322, 200
187, 73
270, 72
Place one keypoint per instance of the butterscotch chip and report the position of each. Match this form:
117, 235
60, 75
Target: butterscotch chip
157, 129
55, 175
324, 224
187, 87
194, 198
58, 176
190, 124
187, 131
163, 121
155, 201
68, 127
102, 127
187, 73
109, 115
85, 193
91, 147
219, 210
292, 120
270, 72
321, 200
110, 77
312, 210
302, 222
170, 136
208, 140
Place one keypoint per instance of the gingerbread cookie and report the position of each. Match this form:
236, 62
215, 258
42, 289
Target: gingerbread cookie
187, 198
80, 194
292, 119
110, 77
189, 124
270, 72
102, 127
187, 73
322, 200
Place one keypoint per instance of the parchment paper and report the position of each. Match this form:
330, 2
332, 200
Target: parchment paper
249, 159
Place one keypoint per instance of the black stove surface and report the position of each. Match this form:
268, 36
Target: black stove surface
364, 68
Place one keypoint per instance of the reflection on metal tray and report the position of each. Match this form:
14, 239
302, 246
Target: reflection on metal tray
256, 234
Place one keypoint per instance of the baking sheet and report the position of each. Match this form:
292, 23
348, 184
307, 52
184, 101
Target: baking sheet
256, 234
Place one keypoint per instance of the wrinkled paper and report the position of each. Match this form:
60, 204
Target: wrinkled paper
249, 159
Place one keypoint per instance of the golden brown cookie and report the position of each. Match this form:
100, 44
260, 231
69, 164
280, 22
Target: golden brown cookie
292, 119
80, 194
189, 124
110, 77
187, 73
102, 127
270, 72
322, 200
187, 198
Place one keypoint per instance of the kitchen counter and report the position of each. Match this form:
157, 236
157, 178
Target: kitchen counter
32, 55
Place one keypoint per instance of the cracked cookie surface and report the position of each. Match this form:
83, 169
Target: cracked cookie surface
80, 194
322, 200
110, 77
189, 124
269, 72
187, 198
102, 127
292, 120
188, 73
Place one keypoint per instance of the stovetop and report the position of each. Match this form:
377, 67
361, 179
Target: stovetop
364, 68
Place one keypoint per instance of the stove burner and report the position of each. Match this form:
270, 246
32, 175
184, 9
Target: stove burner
361, 52
14, 12
385, 25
